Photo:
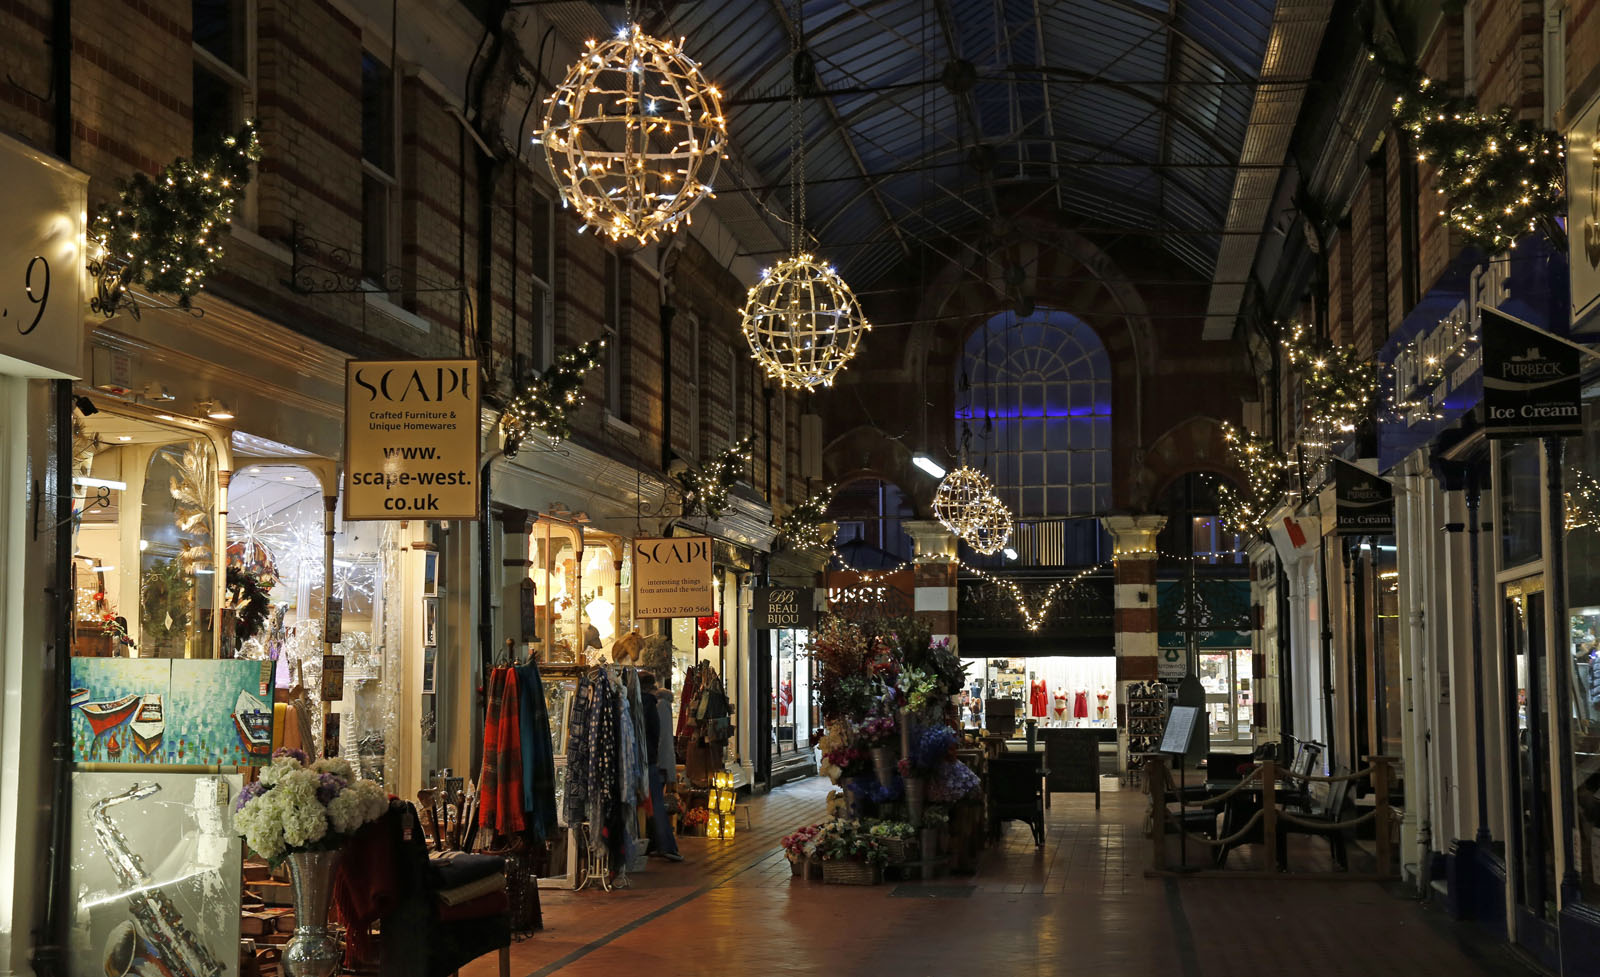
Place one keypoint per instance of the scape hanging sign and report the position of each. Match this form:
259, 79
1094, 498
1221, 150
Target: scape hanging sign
1532, 383
672, 577
411, 439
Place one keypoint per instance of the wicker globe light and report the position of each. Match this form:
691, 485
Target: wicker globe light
802, 322
634, 135
990, 527
958, 502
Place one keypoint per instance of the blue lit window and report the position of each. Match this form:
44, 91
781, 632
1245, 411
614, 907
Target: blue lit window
1039, 408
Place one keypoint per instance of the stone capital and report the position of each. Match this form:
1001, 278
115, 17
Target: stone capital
1133, 536
931, 539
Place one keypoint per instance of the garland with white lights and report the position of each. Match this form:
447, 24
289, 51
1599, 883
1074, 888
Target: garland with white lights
1264, 470
1337, 386
163, 234
1501, 177
707, 490
545, 400
1583, 502
806, 526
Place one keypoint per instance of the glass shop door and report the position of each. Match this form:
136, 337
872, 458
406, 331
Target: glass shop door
1528, 715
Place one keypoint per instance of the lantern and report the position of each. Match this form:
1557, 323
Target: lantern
960, 499
989, 528
634, 135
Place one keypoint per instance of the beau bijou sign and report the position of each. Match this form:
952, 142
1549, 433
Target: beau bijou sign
784, 607
1532, 385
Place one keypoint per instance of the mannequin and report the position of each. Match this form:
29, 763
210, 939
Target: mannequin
1104, 695
1059, 702
1036, 697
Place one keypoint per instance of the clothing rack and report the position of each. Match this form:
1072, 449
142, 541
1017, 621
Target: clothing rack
606, 770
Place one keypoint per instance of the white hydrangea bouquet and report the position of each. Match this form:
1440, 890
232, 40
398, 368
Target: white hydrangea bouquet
299, 806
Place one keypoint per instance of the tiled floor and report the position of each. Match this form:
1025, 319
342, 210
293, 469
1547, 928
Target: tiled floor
1079, 905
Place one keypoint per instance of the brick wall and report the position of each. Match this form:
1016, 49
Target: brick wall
1368, 257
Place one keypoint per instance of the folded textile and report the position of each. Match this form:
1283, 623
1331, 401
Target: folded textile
493, 904
472, 890
447, 870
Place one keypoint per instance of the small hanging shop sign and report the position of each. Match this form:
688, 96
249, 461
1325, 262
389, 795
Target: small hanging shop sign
784, 607
1362, 503
411, 439
672, 577
1532, 383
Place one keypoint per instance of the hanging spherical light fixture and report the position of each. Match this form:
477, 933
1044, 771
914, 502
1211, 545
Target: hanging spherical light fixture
802, 322
634, 135
959, 498
989, 529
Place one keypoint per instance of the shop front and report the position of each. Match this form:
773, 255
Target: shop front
1064, 691
42, 292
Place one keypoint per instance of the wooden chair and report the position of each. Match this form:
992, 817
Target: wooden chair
1016, 792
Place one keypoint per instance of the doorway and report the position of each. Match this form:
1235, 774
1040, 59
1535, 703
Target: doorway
1229, 684
1528, 720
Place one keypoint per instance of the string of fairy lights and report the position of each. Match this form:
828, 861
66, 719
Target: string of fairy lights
544, 400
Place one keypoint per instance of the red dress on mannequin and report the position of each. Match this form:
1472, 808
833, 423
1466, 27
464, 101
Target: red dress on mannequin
1038, 700
1080, 705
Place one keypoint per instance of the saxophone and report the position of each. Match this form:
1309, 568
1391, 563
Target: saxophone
157, 941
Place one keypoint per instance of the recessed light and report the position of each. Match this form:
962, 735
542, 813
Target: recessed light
288, 478
124, 437
216, 410
165, 417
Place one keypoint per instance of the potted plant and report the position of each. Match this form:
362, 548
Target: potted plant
801, 850
895, 838
303, 813
880, 735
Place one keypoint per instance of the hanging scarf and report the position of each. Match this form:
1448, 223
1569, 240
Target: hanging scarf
500, 782
538, 760
574, 802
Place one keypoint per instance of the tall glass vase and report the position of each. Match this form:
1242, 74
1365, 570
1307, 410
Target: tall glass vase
314, 950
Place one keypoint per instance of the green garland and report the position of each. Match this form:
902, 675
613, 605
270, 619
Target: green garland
1501, 177
707, 491
249, 598
1337, 386
806, 527
543, 401
1246, 511
163, 234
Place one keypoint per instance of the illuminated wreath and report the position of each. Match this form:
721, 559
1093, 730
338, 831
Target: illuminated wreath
634, 135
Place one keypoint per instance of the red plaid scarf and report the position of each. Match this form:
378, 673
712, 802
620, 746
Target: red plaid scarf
500, 787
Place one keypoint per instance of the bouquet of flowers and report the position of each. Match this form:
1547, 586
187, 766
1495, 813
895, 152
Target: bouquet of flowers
301, 806
841, 750
930, 751
803, 843
893, 829
935, 815
952, 782
920, 690
846, 840
878, 730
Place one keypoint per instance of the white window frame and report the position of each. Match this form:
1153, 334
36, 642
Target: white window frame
378, 51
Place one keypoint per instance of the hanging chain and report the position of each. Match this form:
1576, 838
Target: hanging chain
796, 137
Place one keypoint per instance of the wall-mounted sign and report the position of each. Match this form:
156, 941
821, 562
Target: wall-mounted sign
854, 594
672, 577
411, 439
41, 263
1532, 384
1362, 503
784, 607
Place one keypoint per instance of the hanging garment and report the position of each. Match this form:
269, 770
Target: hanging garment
538, 758
500, 796
574, 800
1080, 705
1038, 700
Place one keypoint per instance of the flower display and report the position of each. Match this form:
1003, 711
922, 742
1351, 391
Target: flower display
953, 781
841, 749
803, 843
846, 839
299, 805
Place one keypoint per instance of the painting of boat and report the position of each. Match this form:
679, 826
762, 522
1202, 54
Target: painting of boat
80, 696
103, 716
253, 719
148, 725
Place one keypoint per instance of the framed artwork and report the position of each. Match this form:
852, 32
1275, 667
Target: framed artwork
154, 874
430, 622
183, 711
428, 656
430, 573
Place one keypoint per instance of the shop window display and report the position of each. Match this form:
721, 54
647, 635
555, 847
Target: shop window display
791, 692
1058, 691
1580, 647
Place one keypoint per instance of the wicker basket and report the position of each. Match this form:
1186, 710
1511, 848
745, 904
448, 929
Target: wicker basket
898, 850
840, 872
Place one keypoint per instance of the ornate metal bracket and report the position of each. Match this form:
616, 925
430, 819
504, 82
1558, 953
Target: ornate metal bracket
320, 268
113, 293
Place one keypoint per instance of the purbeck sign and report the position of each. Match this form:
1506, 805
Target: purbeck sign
411, 439
1532, 384
1363, 503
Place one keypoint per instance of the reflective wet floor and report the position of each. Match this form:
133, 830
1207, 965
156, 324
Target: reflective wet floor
1081, 904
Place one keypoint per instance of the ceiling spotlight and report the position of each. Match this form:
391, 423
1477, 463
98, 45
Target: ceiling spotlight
1011, 554
158, 391
124, 437
165, 417
928, 465
216, 410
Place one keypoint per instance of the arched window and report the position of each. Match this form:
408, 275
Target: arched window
1035, 393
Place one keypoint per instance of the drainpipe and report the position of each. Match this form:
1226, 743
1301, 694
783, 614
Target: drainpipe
1474, 499
50, 947
485, 601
